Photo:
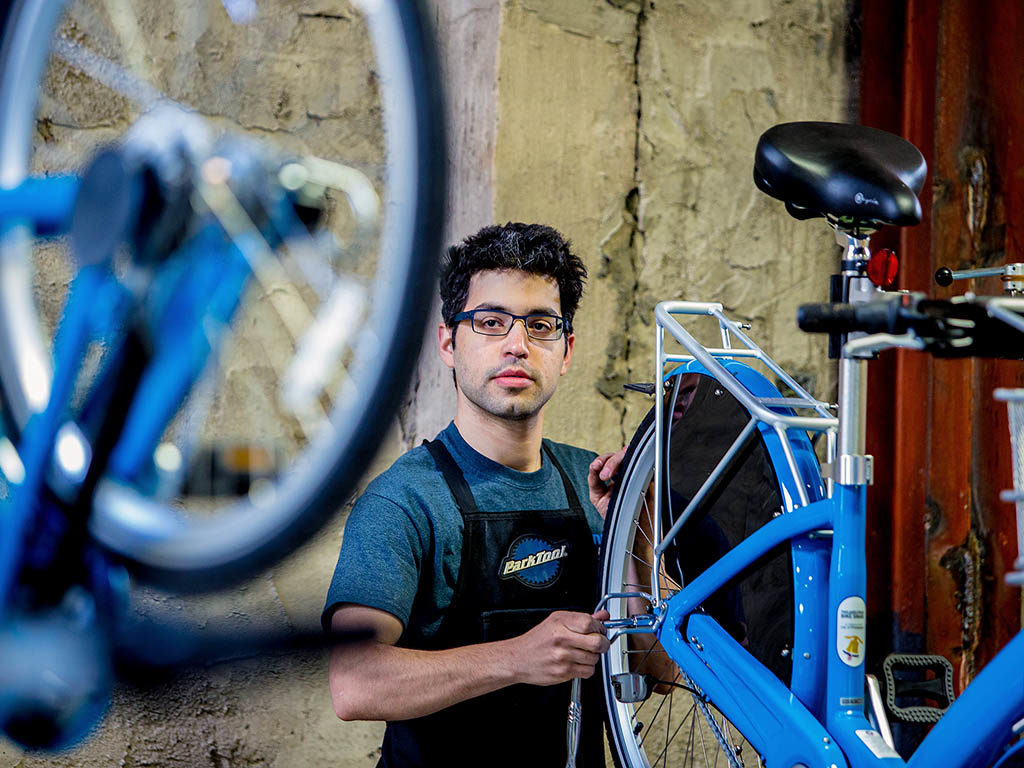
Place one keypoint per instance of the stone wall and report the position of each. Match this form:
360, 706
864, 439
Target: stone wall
629, 125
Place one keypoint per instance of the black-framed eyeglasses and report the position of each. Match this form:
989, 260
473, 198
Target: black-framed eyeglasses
498, 322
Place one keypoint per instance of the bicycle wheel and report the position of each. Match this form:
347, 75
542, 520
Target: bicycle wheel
678, 724
355, 83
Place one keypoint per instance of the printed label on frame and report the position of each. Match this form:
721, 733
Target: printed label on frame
851, 631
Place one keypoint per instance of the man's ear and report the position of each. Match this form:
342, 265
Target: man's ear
446, 345
570, 341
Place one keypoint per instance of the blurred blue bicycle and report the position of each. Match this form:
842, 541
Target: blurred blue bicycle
247, 275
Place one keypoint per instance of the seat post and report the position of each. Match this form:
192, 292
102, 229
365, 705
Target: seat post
854, 467
856, 287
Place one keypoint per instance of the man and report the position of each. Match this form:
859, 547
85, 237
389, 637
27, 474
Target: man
473, 559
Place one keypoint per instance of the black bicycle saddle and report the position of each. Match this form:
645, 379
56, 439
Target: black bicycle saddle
861, 176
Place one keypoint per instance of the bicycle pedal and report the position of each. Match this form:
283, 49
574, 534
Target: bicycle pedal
906, 677
647, 389
630, 688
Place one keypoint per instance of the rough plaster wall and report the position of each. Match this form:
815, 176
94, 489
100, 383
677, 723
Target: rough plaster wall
629, 125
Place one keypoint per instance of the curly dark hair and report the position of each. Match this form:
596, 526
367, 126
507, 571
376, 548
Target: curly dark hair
531, 248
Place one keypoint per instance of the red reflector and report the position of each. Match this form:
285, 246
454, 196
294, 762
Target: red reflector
882, 268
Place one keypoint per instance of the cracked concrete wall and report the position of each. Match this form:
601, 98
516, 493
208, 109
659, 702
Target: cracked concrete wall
631, 126
628, 124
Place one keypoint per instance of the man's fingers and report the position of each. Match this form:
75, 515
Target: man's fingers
583, 623
610, 465
584, 658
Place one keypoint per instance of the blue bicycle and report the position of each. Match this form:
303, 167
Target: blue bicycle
244, 201
733, 570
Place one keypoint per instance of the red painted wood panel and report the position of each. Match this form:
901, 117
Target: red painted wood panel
952, 540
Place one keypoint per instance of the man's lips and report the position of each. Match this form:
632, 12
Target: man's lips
513, 377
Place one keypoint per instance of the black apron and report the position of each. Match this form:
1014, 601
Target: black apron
517, 567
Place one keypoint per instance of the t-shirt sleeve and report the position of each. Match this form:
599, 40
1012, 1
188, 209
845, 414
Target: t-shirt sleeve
382, 553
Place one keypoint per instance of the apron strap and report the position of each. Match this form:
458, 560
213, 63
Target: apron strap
570, 492
453, 476
460, 488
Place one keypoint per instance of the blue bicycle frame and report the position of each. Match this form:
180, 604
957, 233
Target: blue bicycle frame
819, 719
193, 291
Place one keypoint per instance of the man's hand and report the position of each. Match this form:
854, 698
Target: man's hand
564, 646
601, 479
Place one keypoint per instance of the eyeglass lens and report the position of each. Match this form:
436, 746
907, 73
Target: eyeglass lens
498, 323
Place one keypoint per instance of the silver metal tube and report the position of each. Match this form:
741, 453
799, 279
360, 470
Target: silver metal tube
852, 402
663, 315
997, 308
659, 426
772, 365
787, 450
736, 446
969, 273
572, 726
866, 346
719, 352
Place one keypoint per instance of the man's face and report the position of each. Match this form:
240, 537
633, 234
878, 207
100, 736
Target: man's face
512, 376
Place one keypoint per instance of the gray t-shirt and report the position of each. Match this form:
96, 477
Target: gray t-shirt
405, 530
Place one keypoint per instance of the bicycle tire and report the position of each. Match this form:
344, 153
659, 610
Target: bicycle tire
681, 726
246, 536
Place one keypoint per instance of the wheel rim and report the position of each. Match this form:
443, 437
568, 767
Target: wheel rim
250, 533
676, 728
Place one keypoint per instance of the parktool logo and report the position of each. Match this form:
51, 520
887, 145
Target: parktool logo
533, 561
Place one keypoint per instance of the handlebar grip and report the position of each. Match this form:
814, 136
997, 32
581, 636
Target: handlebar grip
870, 317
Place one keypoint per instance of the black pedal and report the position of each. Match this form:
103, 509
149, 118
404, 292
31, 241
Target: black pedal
918, 676
647, 389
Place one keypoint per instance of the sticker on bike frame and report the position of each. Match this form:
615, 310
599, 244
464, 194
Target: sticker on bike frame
851, 631
851, 701
873, 740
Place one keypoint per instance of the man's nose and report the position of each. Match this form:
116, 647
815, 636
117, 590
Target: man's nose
517, 340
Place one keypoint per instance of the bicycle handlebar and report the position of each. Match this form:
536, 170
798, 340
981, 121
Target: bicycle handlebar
960, 327
871, 317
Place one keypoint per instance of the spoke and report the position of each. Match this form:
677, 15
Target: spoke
669, 740
269, 273
122, 18
103, 70
704, 747
637, 557
691, 739
657, 711
647, 511
643, 533
668, 725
